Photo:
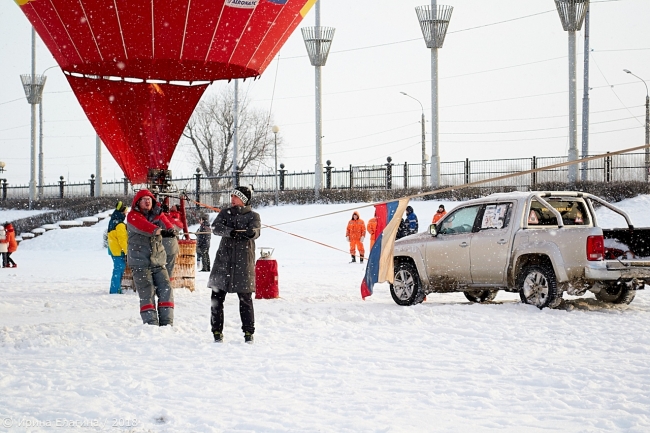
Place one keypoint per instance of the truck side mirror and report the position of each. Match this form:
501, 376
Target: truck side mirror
433, 230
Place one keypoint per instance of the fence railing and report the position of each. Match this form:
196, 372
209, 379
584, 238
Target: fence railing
210, 189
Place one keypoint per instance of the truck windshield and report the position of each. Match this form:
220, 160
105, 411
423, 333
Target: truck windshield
573, 213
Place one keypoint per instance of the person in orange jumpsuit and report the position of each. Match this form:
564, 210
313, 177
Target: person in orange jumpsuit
372, 229
355, 234
438, 215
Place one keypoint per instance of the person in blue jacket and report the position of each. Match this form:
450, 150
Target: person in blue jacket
412, 221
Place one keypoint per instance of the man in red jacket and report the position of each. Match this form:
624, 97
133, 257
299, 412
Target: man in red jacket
146, 225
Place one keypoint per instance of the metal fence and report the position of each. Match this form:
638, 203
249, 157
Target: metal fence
210, 189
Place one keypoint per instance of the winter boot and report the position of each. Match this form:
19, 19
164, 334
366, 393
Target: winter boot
361, 259
354, 259
218, 337
248, 338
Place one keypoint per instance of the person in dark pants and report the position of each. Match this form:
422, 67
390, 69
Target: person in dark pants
203, 243
146, 225
117, 245
234, 265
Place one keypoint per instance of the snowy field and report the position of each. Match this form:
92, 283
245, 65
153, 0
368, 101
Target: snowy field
74, 358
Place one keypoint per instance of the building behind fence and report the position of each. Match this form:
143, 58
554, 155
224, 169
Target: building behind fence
210, 189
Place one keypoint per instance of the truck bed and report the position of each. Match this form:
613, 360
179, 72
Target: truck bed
627, 243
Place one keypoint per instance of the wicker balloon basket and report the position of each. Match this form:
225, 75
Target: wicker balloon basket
127, 280
184, 269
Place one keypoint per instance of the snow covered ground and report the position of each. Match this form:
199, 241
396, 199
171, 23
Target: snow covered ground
73, 356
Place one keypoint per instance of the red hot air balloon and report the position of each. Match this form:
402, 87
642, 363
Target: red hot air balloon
139, 67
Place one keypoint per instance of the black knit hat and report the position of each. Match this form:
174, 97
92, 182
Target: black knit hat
244, 193
120, 207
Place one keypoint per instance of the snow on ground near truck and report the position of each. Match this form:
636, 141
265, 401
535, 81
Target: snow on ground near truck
323, 359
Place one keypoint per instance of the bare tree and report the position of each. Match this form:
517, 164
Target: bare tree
210, 132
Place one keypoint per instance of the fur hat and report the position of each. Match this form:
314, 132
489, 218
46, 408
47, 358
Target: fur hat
244, 193
120, 207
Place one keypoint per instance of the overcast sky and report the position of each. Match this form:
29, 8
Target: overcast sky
503, 88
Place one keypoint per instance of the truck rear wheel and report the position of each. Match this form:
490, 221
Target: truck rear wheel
617, 293
481, 296
538, 286
406, 288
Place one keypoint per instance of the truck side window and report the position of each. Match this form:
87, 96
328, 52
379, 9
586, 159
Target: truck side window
460, 221
496, 216
573, 212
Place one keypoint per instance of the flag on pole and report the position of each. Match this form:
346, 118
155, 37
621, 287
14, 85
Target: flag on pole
380, 261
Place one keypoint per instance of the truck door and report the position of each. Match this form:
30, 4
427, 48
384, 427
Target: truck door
447, 255
490, 249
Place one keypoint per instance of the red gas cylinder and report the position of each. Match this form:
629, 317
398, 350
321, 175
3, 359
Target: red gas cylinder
266, 276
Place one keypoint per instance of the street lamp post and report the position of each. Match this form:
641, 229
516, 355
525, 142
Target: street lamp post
3, 182
275, 130
647, 124
33, 86
41, 178
424, 143
434, 21
318, 41
572, 14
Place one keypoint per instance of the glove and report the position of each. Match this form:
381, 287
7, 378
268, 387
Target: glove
362, 238
168, 233
250, 233
239, 236
347, 238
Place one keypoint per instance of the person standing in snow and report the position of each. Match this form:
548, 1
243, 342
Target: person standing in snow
355, 233
117, 245
439, 214
372, 229
4, 246
234, 265
203, 243
13, 245
146, 226
411, 221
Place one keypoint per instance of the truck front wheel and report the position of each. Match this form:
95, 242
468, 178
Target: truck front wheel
537, 286
406, 288
617, 293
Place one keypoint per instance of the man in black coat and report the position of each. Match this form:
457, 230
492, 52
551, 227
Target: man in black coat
234, 265
203, 243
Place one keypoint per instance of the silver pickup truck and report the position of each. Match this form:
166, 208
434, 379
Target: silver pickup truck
540, 244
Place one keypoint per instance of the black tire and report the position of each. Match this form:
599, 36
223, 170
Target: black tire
617, 293
482, 296
538, 286
406, 288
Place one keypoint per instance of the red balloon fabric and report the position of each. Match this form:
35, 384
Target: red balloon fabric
140, 123
123, 59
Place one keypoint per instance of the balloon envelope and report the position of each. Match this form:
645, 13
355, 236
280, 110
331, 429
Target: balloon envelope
124, 60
